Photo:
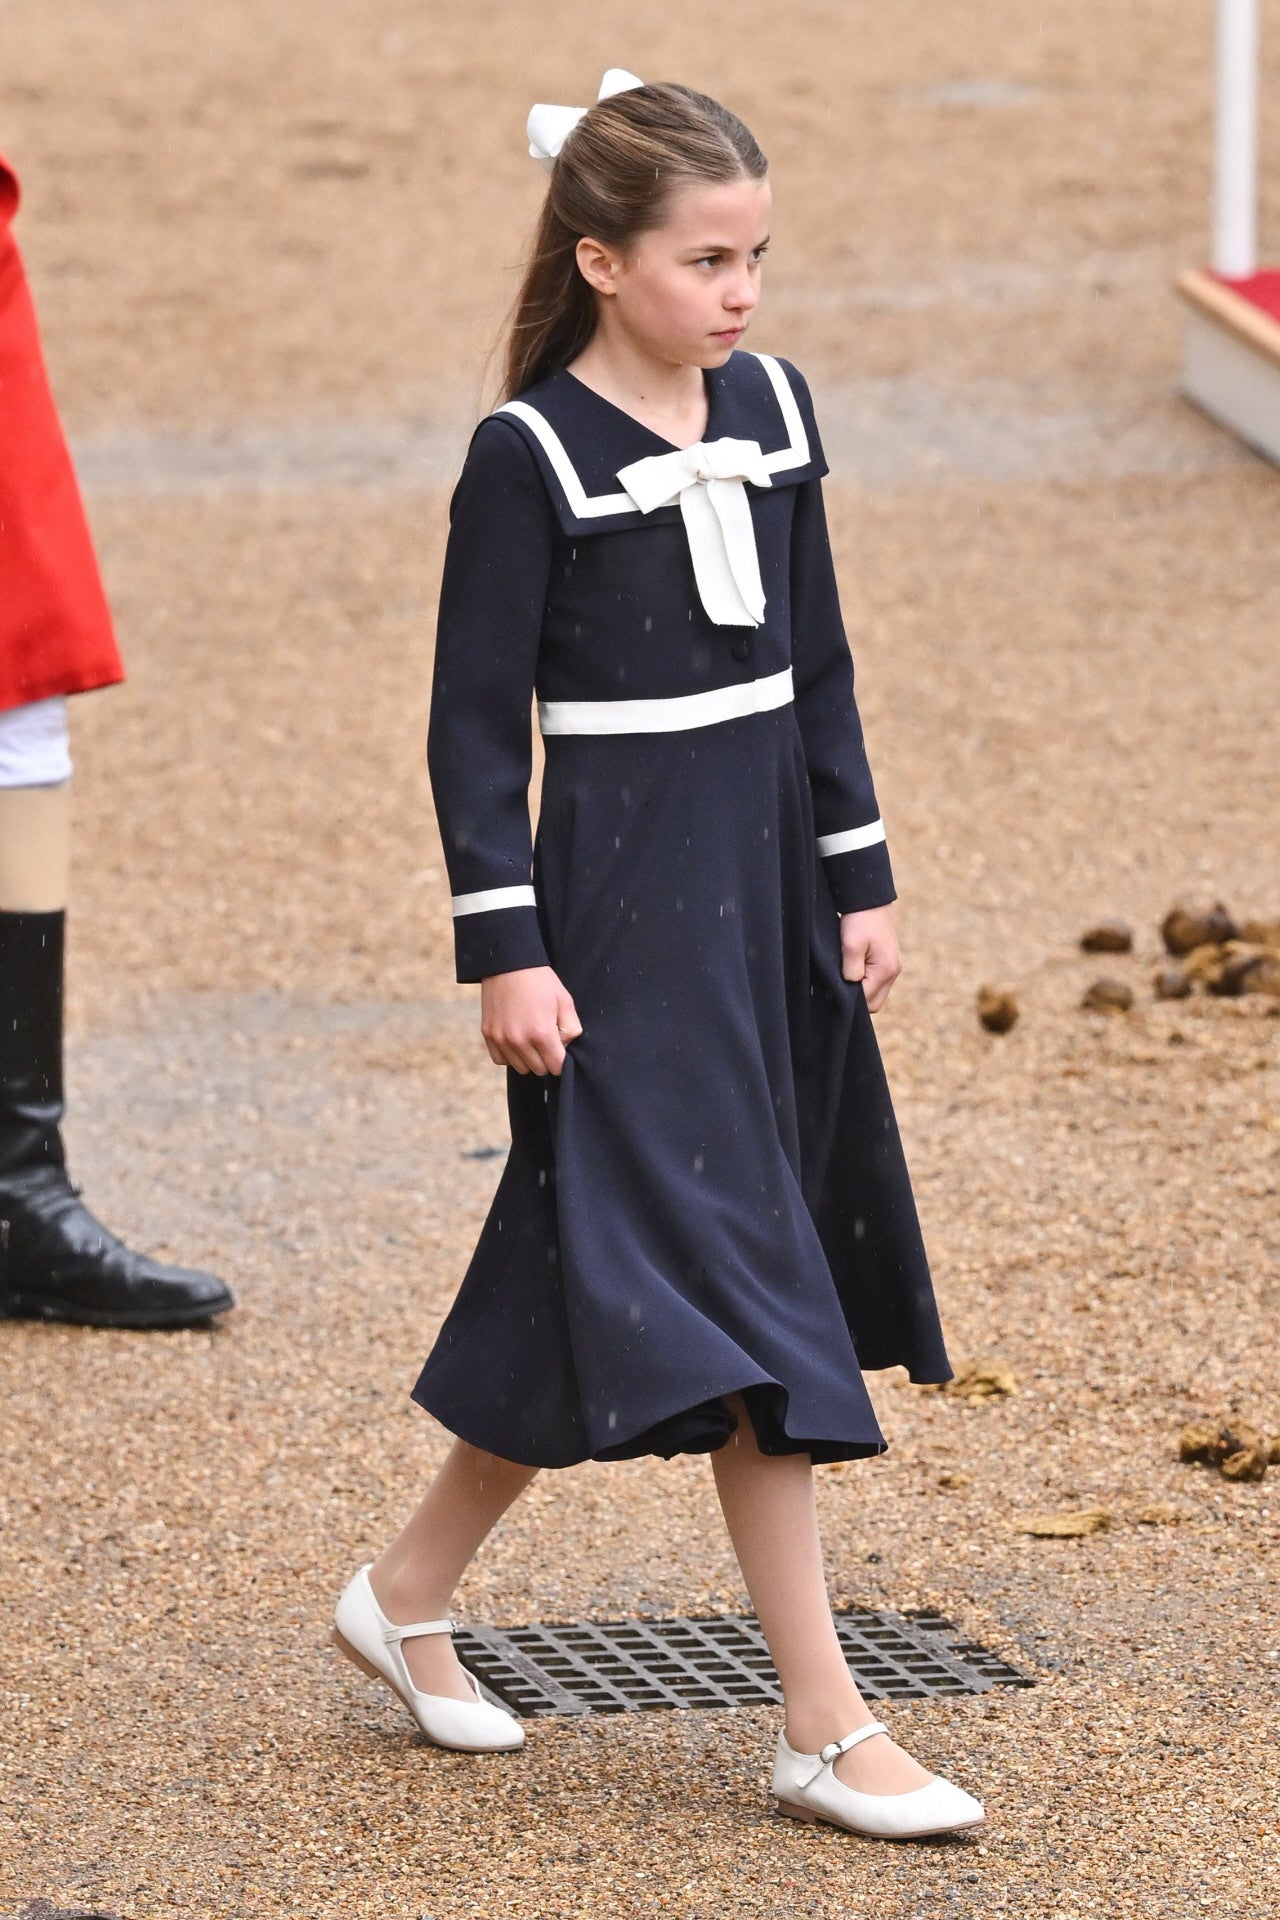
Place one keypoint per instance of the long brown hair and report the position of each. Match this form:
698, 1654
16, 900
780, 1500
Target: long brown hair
612, 180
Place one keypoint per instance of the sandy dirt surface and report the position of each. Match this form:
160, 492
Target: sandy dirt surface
270, 249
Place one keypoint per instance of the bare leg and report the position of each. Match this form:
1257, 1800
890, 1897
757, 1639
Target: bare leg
769, 1508
415, 1577
35, 848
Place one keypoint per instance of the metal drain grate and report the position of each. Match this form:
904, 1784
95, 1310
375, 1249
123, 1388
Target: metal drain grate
635, 1666
45, 1910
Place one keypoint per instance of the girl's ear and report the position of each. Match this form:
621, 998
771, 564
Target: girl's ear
598, 265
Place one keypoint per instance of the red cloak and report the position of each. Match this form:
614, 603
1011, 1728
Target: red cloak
55, 626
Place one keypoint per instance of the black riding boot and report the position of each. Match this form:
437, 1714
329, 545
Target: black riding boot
56, 1261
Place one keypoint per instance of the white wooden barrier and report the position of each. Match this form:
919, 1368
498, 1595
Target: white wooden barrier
1235, 172
1231, 366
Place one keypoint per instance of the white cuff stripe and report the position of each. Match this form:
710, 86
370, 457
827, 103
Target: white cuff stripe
492, 897
854, 838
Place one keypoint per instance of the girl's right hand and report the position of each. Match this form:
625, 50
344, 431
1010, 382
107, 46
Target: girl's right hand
527, 1017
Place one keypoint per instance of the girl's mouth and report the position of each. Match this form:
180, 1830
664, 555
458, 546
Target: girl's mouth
729, 334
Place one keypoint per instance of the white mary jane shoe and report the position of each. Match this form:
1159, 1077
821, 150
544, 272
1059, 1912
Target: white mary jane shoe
363, 1632
807, 1788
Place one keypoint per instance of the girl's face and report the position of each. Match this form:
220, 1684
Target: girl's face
684, 292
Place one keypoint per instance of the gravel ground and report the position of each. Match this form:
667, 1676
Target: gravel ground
1063, 600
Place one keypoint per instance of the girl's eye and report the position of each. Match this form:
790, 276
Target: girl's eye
756, 255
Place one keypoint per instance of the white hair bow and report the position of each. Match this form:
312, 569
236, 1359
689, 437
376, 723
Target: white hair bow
550, 127
706, 480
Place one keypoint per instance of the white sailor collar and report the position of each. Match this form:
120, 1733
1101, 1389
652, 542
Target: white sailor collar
583, 441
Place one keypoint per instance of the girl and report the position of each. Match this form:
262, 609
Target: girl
704, 1229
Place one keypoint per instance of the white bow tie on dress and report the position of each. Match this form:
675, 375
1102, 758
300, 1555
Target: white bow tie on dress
707, 480
549, 127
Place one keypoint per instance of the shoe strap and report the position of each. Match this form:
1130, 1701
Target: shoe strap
834, 1748
393, 1635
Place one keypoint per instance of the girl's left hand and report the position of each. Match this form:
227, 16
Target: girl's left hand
869, 948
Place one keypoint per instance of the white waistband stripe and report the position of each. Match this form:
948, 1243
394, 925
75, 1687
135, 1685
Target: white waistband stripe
491, 897
849, 841
673, 715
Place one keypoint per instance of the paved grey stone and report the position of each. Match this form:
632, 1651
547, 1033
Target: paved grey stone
879, 434
233, 1130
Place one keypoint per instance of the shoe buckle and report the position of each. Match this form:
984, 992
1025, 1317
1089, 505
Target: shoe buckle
831, 1753
817, 1762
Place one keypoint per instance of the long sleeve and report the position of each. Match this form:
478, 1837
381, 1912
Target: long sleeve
479, 739
851, 838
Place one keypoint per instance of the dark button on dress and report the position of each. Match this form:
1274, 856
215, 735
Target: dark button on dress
712, 1196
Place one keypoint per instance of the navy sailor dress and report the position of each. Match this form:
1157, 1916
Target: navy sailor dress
712, 1196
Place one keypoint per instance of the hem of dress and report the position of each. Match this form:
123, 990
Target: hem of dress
703, 1427
707, 1426
66, 684
922, 1374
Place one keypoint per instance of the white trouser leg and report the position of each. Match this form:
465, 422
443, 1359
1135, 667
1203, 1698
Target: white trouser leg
35, 750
